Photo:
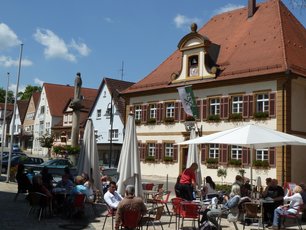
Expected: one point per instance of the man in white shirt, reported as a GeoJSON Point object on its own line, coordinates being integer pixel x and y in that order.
{"type": "Point", "coordinates": [112, 197]}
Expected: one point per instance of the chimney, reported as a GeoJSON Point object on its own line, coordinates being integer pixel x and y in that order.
{"type": "Point", "coordinates": [251, 8]}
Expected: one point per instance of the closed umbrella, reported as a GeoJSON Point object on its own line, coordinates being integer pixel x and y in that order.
{"type": "Point", "coordinates": [193, 157]}
{"type": "Point", "coordinates": [129, 161]}
{"type": "Point", "coordinates": [89, 160]}
{"type": "Point", "coordinates": [251, 136]}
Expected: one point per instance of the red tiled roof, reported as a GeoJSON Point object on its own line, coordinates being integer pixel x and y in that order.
{"type": "Point", "coordinates": [22, 107]}
{"type": "Point", "coordinates": [9, 106]}
{"type": "Point", "coordinates": [59, 95]}
{"type": "Point", "coordinates": [272, 41]}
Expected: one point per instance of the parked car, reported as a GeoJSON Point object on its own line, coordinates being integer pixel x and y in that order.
{"type": "Point", "coordinates": [18, 159]}
{"type": "Point", "coordinates": [57, 163]}
{"type": "Point", "coordinates": [16, 148]}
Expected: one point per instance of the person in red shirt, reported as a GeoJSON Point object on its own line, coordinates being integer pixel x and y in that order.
{"type": "Point", "coordinates": [188, 182]}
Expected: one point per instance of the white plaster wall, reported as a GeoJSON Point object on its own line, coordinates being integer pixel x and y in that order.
{"type": "Point", "coordinates": [162, 132]}
{"type": "Point", "coordinates": [102, 125]}
{"type": "Point", "coordinates": [298, 111]}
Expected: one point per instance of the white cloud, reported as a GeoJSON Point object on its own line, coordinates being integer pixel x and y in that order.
{"type": "Point", "coordinates": [109, 20]}
{"type": "Point", "coordinates": [38, 81]}
{"type": "Point", "coordinates": [13, 87]}
{"type": "Point", "coordinates": [55, 47]}
{"type": "Point", "coordinates": [227, 7]}
{"type": "Point", "coordinates": [182, 21]}
{"type": "Point", "coordinates": [9, 62]}
{"type": "Point", "coordinates": [8, 38]}
{"type": "Point", "coordinates": [82, 48]}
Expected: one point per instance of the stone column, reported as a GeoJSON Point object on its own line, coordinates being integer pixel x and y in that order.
{"type": "Point", "coordinates": [76, 106]}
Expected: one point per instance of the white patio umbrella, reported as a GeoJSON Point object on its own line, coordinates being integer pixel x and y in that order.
{"type": "Point", "coordinates": [193, 157]}
{"type": "Point", "coordinates": [250, 136]}
{"type": "Point", "coordinates": [89, 160]}
{"type": "Point", "coordinates": [129, 161]}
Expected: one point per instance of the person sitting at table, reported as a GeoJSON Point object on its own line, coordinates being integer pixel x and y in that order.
{"type": "Point", "coordinates": [79, 187]}
{"type": "Point", "coordinates": [188, 182]}
{"type": "Point", "coordinates": [47, 178]}
{"type": "Point", "coordinates": [65, 183]}
{"type": "Point", "coordinates": [112, 197]}
{"type": "Point", "coordinates": [209, 188]}
{"type": "Point", "coordinates": [275, 192]}
{"type": "Point", "coordinates": [105, 183]}
{"type": "Point", "coordinates": [291, 208]}
{"type": "Point", "coordinates": [68, 173]}
{"type": "Point", "coordinates": [90, 186]}
{"type": "Point", "coordinates": [231, 205]}
{"type": "Point", "coordinates": [38, 186]}
{"type": "Point", "coordinates": [129, 202]}
{"type": "Point", "coordinates": [24, 184]}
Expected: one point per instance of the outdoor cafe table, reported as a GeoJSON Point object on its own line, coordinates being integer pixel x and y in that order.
{"type": "Point", "coordinates": [261, 203]}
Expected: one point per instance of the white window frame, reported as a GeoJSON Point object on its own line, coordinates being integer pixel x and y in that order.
{"type": "Point", "coordinates": [138, 112]}
{"type": "Point", "coordinates": [236, 152]}
{"type": "Point", "coordinates": [213, 151]}
{"type": "Point", "coordinates": [153, 110]}
{"type": "Point", "coordinates": [151, 149]}
{"type": "Point", "coordinates": [214, 106]}
{"type": "Point", "coordinates": [169, 109]}
{"type": "Point", "coordinates": [262, 102]}
{"type": "Point", "coordinates": [169, 149]}
{"type": "Point", "coordinates": [262, 154]}
{"type": "Point", "coordinates": [237, 103]}
{"type": "Point", "coordinates": [114, 133]}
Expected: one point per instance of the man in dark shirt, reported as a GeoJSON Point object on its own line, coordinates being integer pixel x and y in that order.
{"type": "Point", "coordinates": [277, 193]}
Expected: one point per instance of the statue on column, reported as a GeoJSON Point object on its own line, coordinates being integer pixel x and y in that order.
{"type": "Point", "coordinates": [76, 105]}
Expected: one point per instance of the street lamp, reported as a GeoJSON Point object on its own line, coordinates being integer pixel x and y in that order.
{"type": "Point", "coordinates": [110, 113]}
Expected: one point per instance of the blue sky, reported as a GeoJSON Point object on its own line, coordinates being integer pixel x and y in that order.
{"type": "Point", "coordinates": [94, 37]}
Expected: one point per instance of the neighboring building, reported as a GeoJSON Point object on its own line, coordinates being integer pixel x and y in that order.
{"type": "Point", "coordinates": [245, 66]}
{"type": "Point", "coordinates": [20, 113]}
{"type": "Point", "coordinates": [9, 110]}
{"type": "Point", "coordinates": [62, 130]}
{"type": "Point", "coordinates": [28, 123]}
{"type": "Point", "coordinates": [53, 100]}
{"type": "Point", "coordinates": [108, 94]}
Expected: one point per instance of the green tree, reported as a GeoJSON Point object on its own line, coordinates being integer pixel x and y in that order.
{"type": "Point", "coordinates": [10, 96]}
{"type": "Point", "coordinates": [29, 90]}
{"type": "Point", "coordinates": [46, 141]}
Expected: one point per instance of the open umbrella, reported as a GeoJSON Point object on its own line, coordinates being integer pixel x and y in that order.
{"type": "Point", "coordinates": [193, 157]}
{"type": "Point", "coordinates": [250, 136]}
{"type": "Point", "coordinates": [89, 160]}
{"type": "Point", "coordinates": [129, 161]}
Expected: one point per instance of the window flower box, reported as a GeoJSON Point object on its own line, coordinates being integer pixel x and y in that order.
{"type": "Point", "coordinates": [137, 121]}
{"type": "Point", "coordinates": [214, 118]}
{"type": "Point", "coordinates": [235, 117]}
{"type": "Point", "coordinates": [169, 120]}
{"type": "Point", "coordinates": [235, 163]}
{"type": "Point", "coordinates": [212, 163]}
{"type": "Point", "coordinates": [150, 159]}
{"type": "Point", "coordinates": [151, 121]}
{"type": "Point", "coordinates": [261, 115]}
{"type": "Point", "coordinates": [261, 164]}
{"type": "Point", "coordinates": [168, 159]}
{"type": "Point", "coordinates": [189, 118]}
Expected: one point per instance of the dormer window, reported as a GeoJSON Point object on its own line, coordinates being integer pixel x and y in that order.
{"type": "Point", "coordinates": [193, 65]}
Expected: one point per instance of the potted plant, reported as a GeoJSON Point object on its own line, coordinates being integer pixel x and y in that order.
{"type": "Point", "coordinates": [234, 162]}
{"type": "Point", "coordinates": [150, 159]}
{"type": "Point", "coordinates": [214, 118]}
{"type": "Point", "coordinates": [261, 164]}
{"type": "Point", "coordinates": [212, 163]}
{"type": "Point", "coordinates": [169, 120]}
{"type": "Point", "coordinates": [222, 173]}
{"type": "Point", "coordinates": [151, 121]}
{"type": "Point", "coordinates": [261, 115]}
{"type": "Point", "coordinates": [235, 117]}
{"type": "Point", "coordinates": [168, 159]}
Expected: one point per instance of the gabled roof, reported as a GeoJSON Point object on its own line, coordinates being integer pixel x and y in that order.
{"type": "Point", "coordinates": [59, 95]}
{"type": "Point", "coordinates": [271, 41]}
{"type": "Point", "coordinates": [22, 107]}
{"type": "Point", "coordinates": [9, 106]}
{"type": "Point", "coordinates": [36, 96]}
{"type": "Point", "coordinates": [115, 87]}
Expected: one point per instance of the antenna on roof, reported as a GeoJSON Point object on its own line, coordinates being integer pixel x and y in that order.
{"type": "Point", "coordinates": [122, 70]}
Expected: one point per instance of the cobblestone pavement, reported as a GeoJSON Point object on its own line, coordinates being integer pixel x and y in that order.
{"type": "Point", "coordinates": [14, 215]}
